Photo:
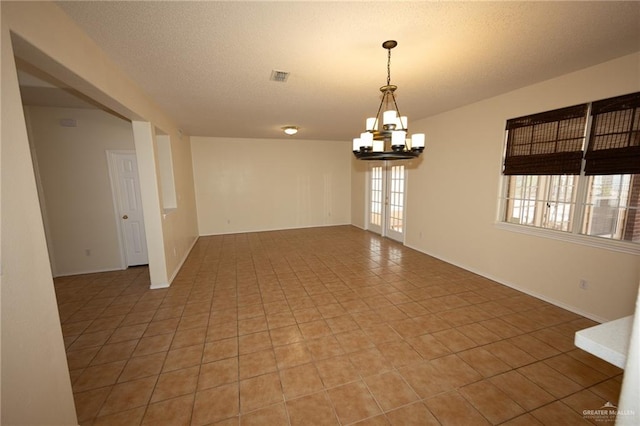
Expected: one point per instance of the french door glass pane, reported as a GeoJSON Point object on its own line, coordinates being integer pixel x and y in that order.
{"type": "Point", "coordinates": [376, 196]}
{"type": "Point", "coordinates": [396, 199]}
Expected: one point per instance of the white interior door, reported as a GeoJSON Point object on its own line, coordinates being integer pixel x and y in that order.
{"type": "Point", "coordinates": [387, 184]}
{"type": "Point", "coordinates": [129, 207]}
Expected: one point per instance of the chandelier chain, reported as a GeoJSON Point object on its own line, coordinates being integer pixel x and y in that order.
{"type": "Point", "coordinates": [386, 94]}
{"type": "Point", "coordinates": [388, 66]}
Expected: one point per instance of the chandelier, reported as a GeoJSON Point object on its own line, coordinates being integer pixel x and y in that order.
{"type": "Point", "coordinates": [388, 141]}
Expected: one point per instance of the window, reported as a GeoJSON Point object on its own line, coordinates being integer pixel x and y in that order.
{"type": "Point", "coordinates": [577, 172]}
{"type": "Point", "coordinates": [543, 201]}
{"type": "Point", "coordinates": [611, 209]}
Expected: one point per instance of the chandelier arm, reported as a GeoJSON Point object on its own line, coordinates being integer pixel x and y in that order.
{"type": "Point", "coordinates": [397, 111]}
{"type": "Point", "coordinates": [377, 118]}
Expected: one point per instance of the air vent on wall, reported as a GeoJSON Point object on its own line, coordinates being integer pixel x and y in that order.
{"type": "Point", "coordinates": [279, 76]}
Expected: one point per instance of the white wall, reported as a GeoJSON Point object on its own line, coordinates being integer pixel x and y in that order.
{"type": "Point", "coordinates": [73, 170]}
{"type": "Point", "coordinates": [452, 201]}
{"type": "Point", "coordinates": [245, 185]}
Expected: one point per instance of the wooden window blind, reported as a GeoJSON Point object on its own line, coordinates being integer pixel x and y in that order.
{"type": "Point", "coordinates": [548, 143]}
{"type": "Point", "coordinates": [614, 141]}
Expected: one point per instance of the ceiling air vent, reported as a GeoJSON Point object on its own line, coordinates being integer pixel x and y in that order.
{"type": "Point", "coordinates": [280, 76]}
{"type": "Point", "coordinates": [68, 122]}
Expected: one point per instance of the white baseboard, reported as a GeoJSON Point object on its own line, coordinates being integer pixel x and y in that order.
{"type": "Point", "coordinates": [275, 229]}
{"type": "Point", "coordinates": [85, 272]}
{"type": "Point", "coordinates": [159, 286]}
{"type": "Point", "coordinates": [555, 302]}
{"type": "Point", "coordinates": [177, 270]}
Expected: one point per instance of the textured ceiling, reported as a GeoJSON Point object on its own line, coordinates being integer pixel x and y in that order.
{"type": "Point", "coordinates": [208, 64]}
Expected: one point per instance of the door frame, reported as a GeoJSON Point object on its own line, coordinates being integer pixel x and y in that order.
{"type": "Point", "coordinates": [113, 180]}
{"type": "Point", "coordinates": [383, 230]}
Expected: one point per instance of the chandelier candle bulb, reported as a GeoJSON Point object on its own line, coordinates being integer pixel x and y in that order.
{"type": "Point", "coordinates": [372, 124]}
{"type": "Point", "coordinates": [402, 122]}
{"type": "Point", "coordinates": [378, 146]}
{"type": "Point", "coordinates": [367, 139]}
{"type": "Point", "coordinates": [398, 138]}
{"type": "Point", "coordinates": [357, 143]}
{"type": "Point", "coordinates": [389, 117]}
{"type": "Point", "coordinates": [417, 141]}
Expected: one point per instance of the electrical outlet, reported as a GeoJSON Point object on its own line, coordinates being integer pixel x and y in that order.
{"type": "Point", "coordinates": [584, 284]}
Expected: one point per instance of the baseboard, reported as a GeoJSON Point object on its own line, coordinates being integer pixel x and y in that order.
{"type": "Point", "coordinates": [275, 229]}
{"type": "Point", "coordinates": [159, 286]}
{"type": "Point", "coordinates": [92, 271]}
{"type": "Point", "coordinates": [555, 302]}
{"type": "Point", "coordinates": [177, 270]}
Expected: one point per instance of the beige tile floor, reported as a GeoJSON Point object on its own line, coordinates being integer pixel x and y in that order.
{"type": "Point", "coordinates": [322, 326]}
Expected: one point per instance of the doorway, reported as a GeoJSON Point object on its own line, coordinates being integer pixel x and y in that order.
{"type": "Point", "coordinates": [386, 200]}
{"type": "Point", "coordinates": [127, 201]}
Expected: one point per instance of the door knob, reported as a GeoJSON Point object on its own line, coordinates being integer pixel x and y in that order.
{"type": "Point", "coordinates": [125, 217]}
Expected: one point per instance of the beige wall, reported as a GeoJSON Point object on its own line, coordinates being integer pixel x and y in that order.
{"type": "Point", "coordinates": [74, 176]}
{"type": "Point", "coordinates": [453, 199]}
{"type": "Point", "coordinates": [270, 184]}
{"type": "Point", "coordinates": [35, 380]}
{"type": "Point", "coordinates": [179, 225]}
{"type": "Point", "coordinates": [358, 192]}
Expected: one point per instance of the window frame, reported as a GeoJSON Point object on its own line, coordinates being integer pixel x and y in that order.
{"type": "Point", "coordinates": [574, 234]}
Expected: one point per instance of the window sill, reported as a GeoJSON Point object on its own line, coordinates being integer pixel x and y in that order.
{"type": "Point", "coordinates": [614, 245]}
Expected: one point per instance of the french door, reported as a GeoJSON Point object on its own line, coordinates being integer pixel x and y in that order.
{"type": "Point", "coordinates": [387, 184]}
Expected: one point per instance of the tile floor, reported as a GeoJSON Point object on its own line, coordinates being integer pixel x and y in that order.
{"type": "Point", "coordinates": [322, 326]}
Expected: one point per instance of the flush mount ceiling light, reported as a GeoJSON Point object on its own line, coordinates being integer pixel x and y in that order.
{"type": "Point", "coordinates": [290, 130]}
{"type": "Point", "coordinates": [389, 141]}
